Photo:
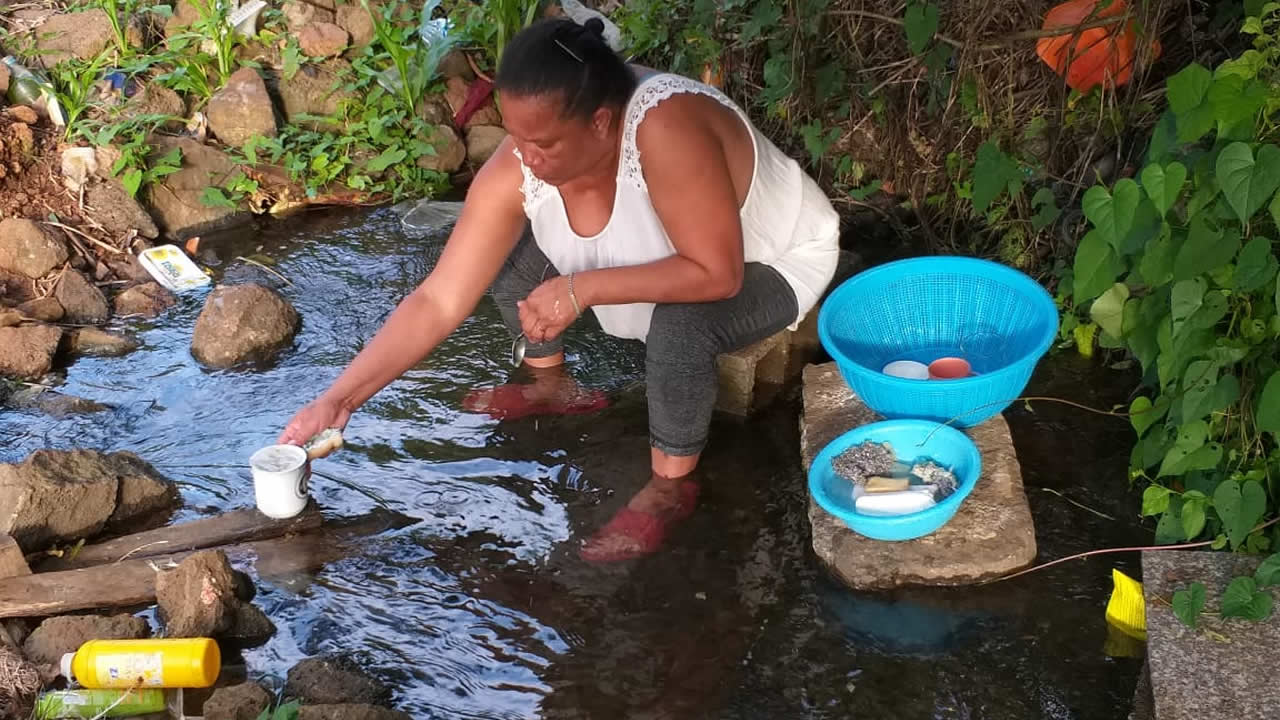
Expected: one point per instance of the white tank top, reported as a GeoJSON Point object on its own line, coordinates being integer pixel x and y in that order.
{"type": "Point", "coordinates": [787, 221]}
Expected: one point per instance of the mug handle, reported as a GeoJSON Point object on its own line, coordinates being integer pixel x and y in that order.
{"type": "Point", "coordinates": [304, 481]}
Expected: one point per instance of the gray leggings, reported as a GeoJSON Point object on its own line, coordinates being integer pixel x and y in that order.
{"type": "Point", "coordinates": [684, 340]}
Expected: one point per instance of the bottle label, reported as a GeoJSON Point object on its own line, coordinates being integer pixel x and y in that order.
{"type": "Point", "coordinates": [133, 669]}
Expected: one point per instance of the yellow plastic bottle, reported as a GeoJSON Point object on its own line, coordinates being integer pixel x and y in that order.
{"type": "Point", "coordinates": [161, 663]}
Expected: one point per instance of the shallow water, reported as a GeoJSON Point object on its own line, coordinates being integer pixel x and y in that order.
{"type": "Point", "coordinates": [481, 609]}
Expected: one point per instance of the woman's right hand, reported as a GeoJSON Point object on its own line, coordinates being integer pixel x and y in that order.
{"type": "Point", "coordinates": [323, 413]}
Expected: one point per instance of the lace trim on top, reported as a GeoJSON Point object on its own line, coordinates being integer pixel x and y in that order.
{"type": "Point", "coordinates": [533, 189]}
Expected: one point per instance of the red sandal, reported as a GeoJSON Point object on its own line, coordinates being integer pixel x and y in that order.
{"type": "Point", "coordinates": [631, 534]}
{"type": "Point", "coordinates": [509, 402]}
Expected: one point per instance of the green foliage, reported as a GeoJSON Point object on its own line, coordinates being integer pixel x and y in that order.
{"type": "Point", "coordinates": [210, 29]}
{"type": "Point", "coordinates": [920, 22]}
{"type": "Point", "coordinates": [73, 81]}
{"type": "Point", "coordinates": [415, 53]}
{"type": "Point", "coordinates": [492, 23]}
{"type": "Point", "coordinates": [118, 14]}
{"type": "Point", "coordinates": [287, 711]}
{"type": "Point", "coordinates": [136, 167]}
{"type": "Point", "coordinates": [1180, 269]}
{"type": "Point", "coordinates": [1188, 603]}
{"type": "Point", "coordinates": [1244, 597]}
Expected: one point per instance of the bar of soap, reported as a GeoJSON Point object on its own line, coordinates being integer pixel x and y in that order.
{"type": "Point", "coordinates": [894, 503]}
{"type": "Point", "coordinates": [877, 484]}
{"type": "Point", "coordinates": [324, 442]}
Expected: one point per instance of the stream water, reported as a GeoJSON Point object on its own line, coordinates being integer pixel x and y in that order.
{"type": "Point", "coordinates": [481, 608]}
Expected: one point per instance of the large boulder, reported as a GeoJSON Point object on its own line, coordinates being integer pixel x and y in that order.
{"type": "Point", "coordinates": [82, 35]}
{"type": "Point", "coordinates": [356, 21]}
{"type": "Point", "coordinates": [198, 598]}
{"type": "Point", "coordinates": [315, 90]}
{"type": "Point", "coordinates": [81, 300]}
{"type": "Point", "coordinates": [156, 99]}
{"type": "Point", "coordinates": [27, 249]}
{"type": "Point", "coordinates": [94, 342]}
{"type": "Point", "coordinates": [323, 40]}
{"type": "Point", "coordinates": [250, 628]}
{"type": "Point", "coordinates": [45, 309]}
{"type": "Point", "coordinates": [26, 352]}
{"type": "Point", "coordinates": [175, 201]}
{"type": "Point", "coordinates": [350, 711]}
{"type": "Point", "coordinates": [63, 495]}
{"type": "Point", "coordinates": [299, 13]}
{"type": "Point", "coordinates": [146, 300]}
{"type": "Point", "coordinates": [241, 323]}
{"type": "Point", "coordinates": [483, 141]}
{"type": "Point", "coordinates": [245, 701]}
{"type": "Point", "coordinates": [242, 109]}
{"type": "Point", "coordinates": [59, 635]}
{"type": "Point", "coordinates": [117, 211]}
{"type": "Point", "coordinates": [184, 16]}
{"type": "Point", "coordinates": [450, 151]}
{"type": "Point", "coordinates": [332, 680]}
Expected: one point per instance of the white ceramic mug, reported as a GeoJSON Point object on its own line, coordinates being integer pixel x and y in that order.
{"type": "Point", "coordinates": [280, 476]}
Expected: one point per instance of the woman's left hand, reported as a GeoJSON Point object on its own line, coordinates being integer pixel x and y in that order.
{"type": "Point", "coordinates": [548, 311]}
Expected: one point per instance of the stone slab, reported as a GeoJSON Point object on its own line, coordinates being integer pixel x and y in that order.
{"type": "Point", "coordinates": [741, 372]}
{"type": "Point", "coordinates": [991, 534]}
{"type": "Point", "coordinates": [1195, 674]}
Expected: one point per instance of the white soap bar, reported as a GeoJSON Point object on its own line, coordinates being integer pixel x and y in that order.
{"type": "Point", "coordinates": [894, 503]}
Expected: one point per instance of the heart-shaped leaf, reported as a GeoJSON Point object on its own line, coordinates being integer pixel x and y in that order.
{"type": "Point", "coordinates": [1096, 266]}
{"type": "Point", "coordinates": [1187, 298]}
{"type": "Point", "coordinates": [1268, 414]}
{"type": "Point", "coordinates": [1193, 518]}
{"type": "Point", "coordinates": [1155, 500]}
{"type": "Point", "coordinates": [1242, 599]}
{"type": "Point", "coordinates": [1256, 265]}
{"type": "Point", "coordinates": [1188, 603]}
{"type": "Point", "coordinates": [1143, 413]}
{"type": "Point", "coordinates": [1248, 183]}
{"type": "Point", "coordinates": [1236, 102]}
{"type": "Point", "coordinates": [1198, 386]}
{"type": "Point", "coordinates": [920, 22]}
{"type": "Point", "coordinates": [1113, 212]}
{"type": "Point", "coordinates": [1188, 87]}
{"type": "Point", "coordinates": [1164, 184]}
{"type": "Point", "coordinates": [1268, 573]}
{"type": "Point", "coordinates": [1108, 310]}
{"type": "Point", "coordinates": [1183, 455]}
{"type": "Point", "coordinates": [1240, 506]}
{"type": "Point", "coordinates": [1206, 248]}
{"type": "Point", "coordinates": [1212, 309]}
{"type": "Point", "coordinates": [1156, 266]}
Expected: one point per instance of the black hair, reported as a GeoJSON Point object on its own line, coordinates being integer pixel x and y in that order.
{"type": "Point", "coordinates": [557, 56]}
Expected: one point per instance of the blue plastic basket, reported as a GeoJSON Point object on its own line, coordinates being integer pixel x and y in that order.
{"type": "Point", "coordinates": [912, 441]}
{"type": "Point", "coordinates": [921, 309]}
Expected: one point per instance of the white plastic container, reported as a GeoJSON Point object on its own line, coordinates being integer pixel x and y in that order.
{"type": "Point", "coordinates": [172, 268]}
{"type": "Point", "coordinates": [280, 475]}
{"type": "Point", "coordinates": [908, 369]}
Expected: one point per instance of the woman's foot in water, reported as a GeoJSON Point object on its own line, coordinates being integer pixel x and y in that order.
{"type": "Point", "coordinates": [642, 526]}
{"type": "Point", "coordinates": [552, 392]}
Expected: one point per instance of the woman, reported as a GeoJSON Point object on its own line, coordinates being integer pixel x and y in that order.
{"type": "Point", "coordinates": [646, 198]}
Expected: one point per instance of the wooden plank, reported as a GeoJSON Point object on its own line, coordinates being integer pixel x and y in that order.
{"type": "Point", "coordinates": [236, 526]}
{"type": "Point", "coordinates": [12, 562]}
{"type": "Point", "coordinates": [132, 582]}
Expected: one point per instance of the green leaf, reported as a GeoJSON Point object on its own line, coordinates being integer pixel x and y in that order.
{"type": "Point", "coordinates": [214, 197]}
{"type": "Point", "coordinates": [1236, 102]}
{"type": "Point", "coordinates": [1219, 542]}
{"type": "Point", "coordinates": [1193, 518]}
{"type": "Point", "coordinates": [1198, 385]}
{"type": "Point", "coordinates": [1155, 500]}
{"type": "Point", "coordinates": [1268, 414]}
{"type": "Point", "coordinates": [1164, 184]}
{"type": "Point", "coordinates": [1169, 528]}
{"type": "Point", "coordinates": [921, 23]}
{"type": "Point", "coordinates": [764, 19]}
{"type": "Point", "coordinates": [1156, 266]}
{"type": "Point", "coordinates": [1189, 451]}
{"type": "Point", "coordinates": [1247, 183]}
{"type": "Point", "coordinates": [1226, 393]}
{"type": "Point", "coordinates": [1239, 506]}
{"type": "Point", "coordinates": [1096, 267]}
{"type": "Point", "coordinates": [1046, 209]}
{"type": "Point", "coordinates": [1188, 296]}
{"type": "Point", "coordinates": [132, 180]}
{"type": "Point", "coordinates": [1268, 573]}
{"type": "Point", "coordinates": [1108, 310]}
{"type": "Point", "coordinates": [1242, 599]}
{"type": "Point", "coordinates": [1187, 89]}
{"type": "Point", "coordinates": [1143, 413]}
{"type": "Point", "coordinates": [386, 159]}
{"type": "Point", "coordinates": [1256, 265]}
{"type": "Point", "coordinates": [1113, 213]}
{"type": "Point", "coordinates": [1207, 317]}
{"type": "Point", "coordinates": [1206, 248]}
{"type": "Point", "coordinates": [1274, 208]}
{"type": "Point", "coordinates": [993, 170]}
{"type": "Point", "coordinates": [1187, 604]}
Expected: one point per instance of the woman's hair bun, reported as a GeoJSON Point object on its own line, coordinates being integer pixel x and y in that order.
{"type": "Point", "coordinates": [596, 26]}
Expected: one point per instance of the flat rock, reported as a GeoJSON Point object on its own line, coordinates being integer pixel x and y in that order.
{"type": "Point", "coordinates": [82, 35]}
{"type": "Point", "coordinates": [81, 300]}
{"type": "Point", "coordinates": [323, 39]}
{"type": "Point", "coordinates": [242, 109]}
{"type": "Point", "coordinates": [483, 142]}
{"type": "Point", "coordinates": [238, 702]}
{"type": "Point", "coordinates": [991, 534]}
{"type": "Point", "coordinates": [58, 635]}
{"type": "Point", "coordinates": [450, 151]}
{"type": "Point", "coordinates": [334, 680]}
{"type": "Point", "coordinates": [1183, 660]}
{"type": "Point", "coordinates": [45, 309]}
{"type": "Point", "coordinates": [241, 323]}
{"type": "Point", "coordinates": [316, 89]}
{"type": "Point", "coordinates": [350, 712]}
{"type": "Point", "coordinates": [27, 249]}
{"type": "Point", "coordinates": [356, 21]}
{"type": "Point", "coordinates": [95, 342]}
{"type": "Point", "coordinates": [53, 403]}
{"type": "Point", "coordinates": [23, 114]}
{"type": "Point", "coordinates": [26, 352]}
{"type": "Point", "coordinates": [147, 300]}
{"type": "Point", "coordinates": [197, 598]}
{"type": "Point", "coordinates": [175, 201]}
{"type": "Point", "coordinates": [117, 211]}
